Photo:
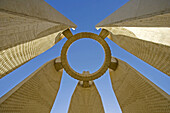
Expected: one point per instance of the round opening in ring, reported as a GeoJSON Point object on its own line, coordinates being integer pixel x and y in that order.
{"type": "Point", "coordinates": [85, 55]}
{"type": "Point", "coordinates": [94, 75]}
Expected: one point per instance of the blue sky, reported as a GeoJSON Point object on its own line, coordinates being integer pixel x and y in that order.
{"type": "Point", "coordinates": [85, 54]}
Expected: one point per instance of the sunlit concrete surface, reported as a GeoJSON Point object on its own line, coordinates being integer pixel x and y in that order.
{"type": "Point", "coordinates": [142, 27]}
{"type": "Point", "coordinates": [160, 35]}
{"type": "Point", "coordinates": [151, 45]}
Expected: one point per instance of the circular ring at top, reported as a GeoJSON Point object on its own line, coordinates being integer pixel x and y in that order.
{"type": "Point", "coordinates": [94, 75]}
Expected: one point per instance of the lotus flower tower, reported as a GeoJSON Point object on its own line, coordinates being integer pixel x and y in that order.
{"type": "Point", "coordinates": [141, 27]}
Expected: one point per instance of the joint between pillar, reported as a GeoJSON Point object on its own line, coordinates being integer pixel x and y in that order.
{"type": "Point", "coordinates": [113, 63]}
{"type": "Point", "coordinates": [58, 64]}
{"type": "Point", "coordinates": [67, 33]}
{"type": "Point", "coordinates": [104, 33]}
{"type": "Point", "coordinates": [86, 84]}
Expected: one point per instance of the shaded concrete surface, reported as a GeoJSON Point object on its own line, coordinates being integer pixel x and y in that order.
{"type": "Point", "coordinates": [140, 13]}
{"type": "Point", "coordinates": [35, 94]}
{"type": "Point", "coordinates": [27, 29]}
{"type": "Point", "coordinates": [135, 93]}
{"type": "Point", "coordinates": [86, 100]}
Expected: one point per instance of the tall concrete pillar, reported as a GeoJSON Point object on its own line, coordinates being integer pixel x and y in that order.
{"type": "Point", "coordinates": [135, 93]}
{"type": "Point", "coordinates": [151, 45]}
{"type": "Point", "coordinates": [86, 99]}
{"type": "Point", "coordinates": [27, 29]}
{"type": "Point", "coordinates": [142, 27]}
{"type": "Point", "coordinates": [140, 13]}
{"type": "Point", "coordinates": [35, 94]}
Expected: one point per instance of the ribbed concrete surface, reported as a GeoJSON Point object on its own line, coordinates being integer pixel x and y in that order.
{"type": "Point", "coordinates": [38, 9]}
{"type": "Point", "coordinates": [35, 94]}
{"type": "Point", "coordinates": [22, 39]}
{"type": "Point", "coordinates": [135, 93]}
{"type": "Point", "coordinates": [140, 13]}
{"type": "Point", "coordinates": [86, 100]}
{"type": "Point", "coordinates": [155, 54]}
{"type": "Point", "coordinates": [27, 29]}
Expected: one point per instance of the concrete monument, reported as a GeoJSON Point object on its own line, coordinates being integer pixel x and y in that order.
{"type": "Point", "coordinates": [141, 27]}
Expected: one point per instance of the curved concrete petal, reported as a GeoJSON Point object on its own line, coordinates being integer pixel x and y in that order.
{"type": "Point", "coordinates": [86, 100]}
{"type": "Point", "coordinates": [151, 45]}
{"type": "Point", "coordinates": [140, 13]}
{"type": "Point", "coordinates": [27, 29]}
{"type": "Point", "coordinates": [135, 93]}
{"type": "Point", "coordinates": [35, 94]}
{"type": "Point", "coordinates": [159, 35]}
{"type": "Point", "coordinates": [37, 9]}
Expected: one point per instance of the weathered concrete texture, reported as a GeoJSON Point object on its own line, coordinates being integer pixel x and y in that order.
{"type": "Point", "coordinates": [150, 45]}
{"type": "Point", "coordinates": [35, 94]}
{"type": "Point", "coordinates": [135, 93]}
{"type": "Point", "coordinates": [38, 9]}
{"type": "Point", "coordinates": [27, 29]}
{"type": "Point", "coordinates": [86, 100]}
{"type": "Point", "coordinates": [140, 13]}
